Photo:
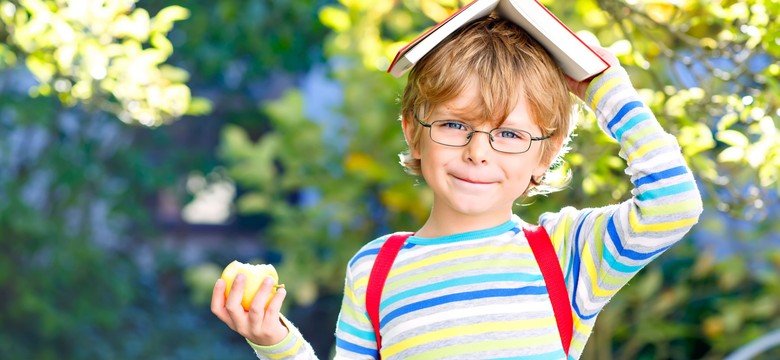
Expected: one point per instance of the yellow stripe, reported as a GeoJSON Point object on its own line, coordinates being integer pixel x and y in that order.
{"type": "Point", "coordinates": [559, 235]}
{"type": "Point", "coordinates": [464, 330]}
{"type": "Point", "coordinates": [349, 294]}
{"type": "Point", "coordinates": [603, 90]}
{"type": "Point", "coordinates": [636, 226]}
{"type": "Point", "coordinates": [590, 268]}
{"type": "Point", "coordinates": [646, 148]}
{"type": "Point", "coordinates": [350, 312]}
{"type": "Point", "coordinates": [290, 352]}
{"type": "Point", "coordinates": [580, 328]}
{"type": "Point", "coordinates": [669, 209]}
{"type": "Point", "coordinates": [629, 141]}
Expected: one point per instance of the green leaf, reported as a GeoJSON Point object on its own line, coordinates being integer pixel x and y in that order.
{"type": "Point", "coordinates": [200, 106]}
{"type": "Point", "coordinates": [732, 137]}
{"type": "Point", "coordinates": [254, 203]}
{"type": "Point", "coordinates": [695, 139]}
{"type": "Point", "coordinates": [163, 21]}
{"type": "Point", "coordinates": [235, 143]}
{"type": "Point", "coordinates": [335, 18]}
{"type": "Point", "coordinates": [286, 111]}
{"type": "Point", "coordinates": [732, 154]}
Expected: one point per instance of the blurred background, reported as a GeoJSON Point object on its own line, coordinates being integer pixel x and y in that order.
{"type": "Point", "coordinates": [144, 144]}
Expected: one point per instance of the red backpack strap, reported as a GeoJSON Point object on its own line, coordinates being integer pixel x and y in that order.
{"type": "Point", "coordinates": [541, 245]}
{"type": "Point", "coordinates": [376, 281]}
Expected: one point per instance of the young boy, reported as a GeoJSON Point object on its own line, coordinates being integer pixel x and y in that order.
{"type": "Point", "coordinates": [485, 115]}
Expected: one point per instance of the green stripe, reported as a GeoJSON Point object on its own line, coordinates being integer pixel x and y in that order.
{"type": "Point", "coordinates": [670, 209]}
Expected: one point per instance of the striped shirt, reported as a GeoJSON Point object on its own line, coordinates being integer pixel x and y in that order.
{"type": "Point", "coordinates": [481, 294]}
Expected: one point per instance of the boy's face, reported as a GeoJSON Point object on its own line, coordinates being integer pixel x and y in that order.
{"type": "Point", "coordinates": [475, 182]}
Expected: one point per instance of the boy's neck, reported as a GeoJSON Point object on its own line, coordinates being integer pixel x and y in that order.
{"type": "Point", "coordinates": [439, 225]}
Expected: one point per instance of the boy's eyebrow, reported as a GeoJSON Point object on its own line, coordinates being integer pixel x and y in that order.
{"type": "Point", "coordinates": [465, 114]}
{"type": "Point", "coordinates": [451, 115]}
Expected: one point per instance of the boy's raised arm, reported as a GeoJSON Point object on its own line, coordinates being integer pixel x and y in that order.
{"type": "Point", "coordinates": [602, 248]}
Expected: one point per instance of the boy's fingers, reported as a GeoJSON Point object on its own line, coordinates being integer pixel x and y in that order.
{"type": "Point", "coordinates": [218, 302]}
{"type": "Point", "coordinates": [257, 308]}
{"type": "Point", "coordinates": [233, 304]}
{"type": "Point", "coordinates": [217, 296]}
{"type": "Point", "coordinates": [271, 330]}
{"type": "Point", "coordinates": [607, 55]}
{"type": "Point", "coordinates": [275, 306]}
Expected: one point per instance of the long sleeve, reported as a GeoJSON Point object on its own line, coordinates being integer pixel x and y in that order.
{"type": "Point", "coordinates": [601, 249]}
{"type": "Point", "coordinates": [292, 347]}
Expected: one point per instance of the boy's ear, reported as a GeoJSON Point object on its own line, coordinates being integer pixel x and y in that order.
{"type": "Point", "coordinates": [408, 128]}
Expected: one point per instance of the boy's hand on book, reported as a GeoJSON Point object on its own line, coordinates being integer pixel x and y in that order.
{"type": "Point", "coordinates": [579, 87]}
{"type": "Point", "coordinates": [260, 324]}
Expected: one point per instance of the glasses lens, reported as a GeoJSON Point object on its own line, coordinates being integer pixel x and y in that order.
{"type": "Point", "coordinates": [449, 132]}
{"type": "Point", "coordinates": [511, 140]}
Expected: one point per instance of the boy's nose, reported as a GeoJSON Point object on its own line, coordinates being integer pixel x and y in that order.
{"type": "Point", "coordinates": [478, 147]}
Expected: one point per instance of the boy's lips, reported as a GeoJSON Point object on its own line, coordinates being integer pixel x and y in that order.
{"type": "Point", "coordinates": [472, 181]}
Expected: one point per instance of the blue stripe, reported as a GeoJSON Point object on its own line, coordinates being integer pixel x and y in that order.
{"type": "Point", "coordinates": [471, 295]}
{"type": "Point", "coordinates": [476, 279]}
{"type": "Point", "coordinates": [658, 176]}
{"type": "Point", "coordinates": [618, 266]}
{"type": "Point", "coordinates": [638, 118]}
{"type": "Point", "coordinates": [348, 346]}
{"type": "Point", "coordinates": [623, 252]}
{"type": "Point", "coordinates": [374, 252]}
{"type": "Point", "coordinates": [666, 191]}
{"type": "Point", "coordinates": [362, 254]}
{"type": "Point", "coordinates": [571, 265]}
{"type": "Point", "coordinates": [471, 235]}
{"type": "Point", "coordinates": [358, 333]}
{"type": "Point", "coordinates": [623, 111]}
{"type": "Point", "coordinates": [553, 355]}
{"type": "Point", "coordinates": [577, 261]}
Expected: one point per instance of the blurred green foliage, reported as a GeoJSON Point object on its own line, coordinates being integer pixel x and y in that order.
{"type": "Point", "coordinates": [109, 56]}
{"type": "Point", "coordinates": [85, 273]}
{"type": "Point", "coordinates": [84, 90]}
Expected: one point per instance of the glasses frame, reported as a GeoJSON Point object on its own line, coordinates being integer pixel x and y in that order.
{"type": "Point", "coordinates": [469, 136]}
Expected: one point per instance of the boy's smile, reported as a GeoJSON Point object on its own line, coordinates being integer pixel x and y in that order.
{"type": "Point", "coordinates": [474, 185]}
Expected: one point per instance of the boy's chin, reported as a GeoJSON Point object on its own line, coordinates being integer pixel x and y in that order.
{"type": "Point", "coordinates": [479, 209]}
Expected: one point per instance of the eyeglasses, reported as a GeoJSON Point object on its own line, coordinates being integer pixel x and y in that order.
{"type": "Point", "coordinates": [457, 133]}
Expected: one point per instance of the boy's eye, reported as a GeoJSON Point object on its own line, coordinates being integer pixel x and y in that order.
{"type": "Point", "coordinates": [511, 134]}
{"type": "Point", "coordinates": [452, 125]}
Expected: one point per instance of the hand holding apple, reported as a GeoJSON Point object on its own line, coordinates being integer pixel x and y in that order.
{"type": "Point", "coordinates": [248, 299]}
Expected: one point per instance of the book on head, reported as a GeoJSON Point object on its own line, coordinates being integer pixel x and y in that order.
{"type": "Point", "coordinates": [575, 57]}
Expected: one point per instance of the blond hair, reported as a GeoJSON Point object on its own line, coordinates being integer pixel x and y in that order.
{"type": "Point", "coordinates": [506, 63]}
